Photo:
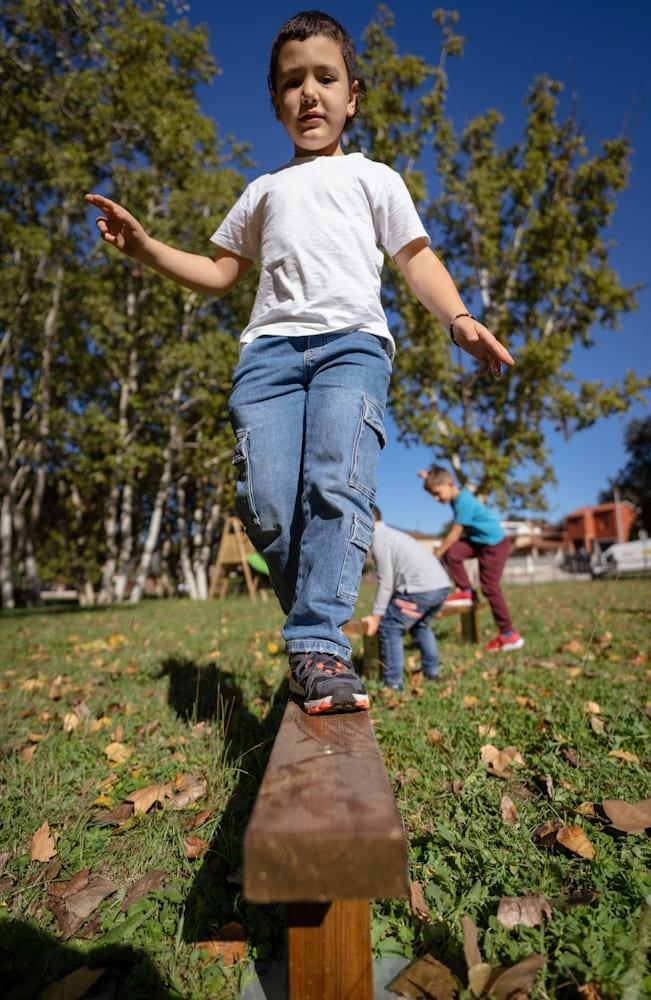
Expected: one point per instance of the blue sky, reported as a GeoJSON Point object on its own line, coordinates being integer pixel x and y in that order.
{"type": "Point", "coordinates": [599, 50]}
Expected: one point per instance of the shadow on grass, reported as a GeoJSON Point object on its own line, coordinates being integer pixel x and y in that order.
{"type": "Point", "coordinates": [208, 694]}
{"type": "Point", "coordinates": [31, 958]}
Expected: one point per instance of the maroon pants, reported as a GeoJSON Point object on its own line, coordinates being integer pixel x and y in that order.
{"type": "Point", "coordinates": [491, 565]}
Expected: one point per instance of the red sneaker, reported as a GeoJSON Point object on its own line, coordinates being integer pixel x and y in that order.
{"type": "Point", "coordinates": [505, 643]}
{"type": "Point", "coordinates": [460, 599]}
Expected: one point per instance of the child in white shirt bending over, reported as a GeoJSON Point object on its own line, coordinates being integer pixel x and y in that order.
{"type": "Point", "coordinates": [310, 387]}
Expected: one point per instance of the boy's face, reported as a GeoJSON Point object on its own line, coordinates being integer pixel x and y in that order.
{"type": "Point", "coordinates": [313, 98]}
{"type": "Point", "coordinates": [444, 492]}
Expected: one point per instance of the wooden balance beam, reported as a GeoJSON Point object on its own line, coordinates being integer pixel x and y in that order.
{"type": "Point", "coordinates": [325, 837]}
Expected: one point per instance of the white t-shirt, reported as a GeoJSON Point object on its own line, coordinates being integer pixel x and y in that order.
{"type": "Point", "coordinates": [319, 226]}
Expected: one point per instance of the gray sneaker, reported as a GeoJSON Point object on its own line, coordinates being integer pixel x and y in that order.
{"type": "Point", "coordinates": [326, 684]}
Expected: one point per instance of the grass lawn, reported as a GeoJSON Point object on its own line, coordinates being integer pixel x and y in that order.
{"type": "Point", "coordinates": [96, 705]}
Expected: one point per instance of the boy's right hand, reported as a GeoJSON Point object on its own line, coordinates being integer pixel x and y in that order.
{"type": "Point", "coordinates": [118, 227]}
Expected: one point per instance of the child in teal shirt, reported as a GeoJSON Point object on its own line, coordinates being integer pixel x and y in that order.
{"type": "Point", "coordinates": [477, 533]}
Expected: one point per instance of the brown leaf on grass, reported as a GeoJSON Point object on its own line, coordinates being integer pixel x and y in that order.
{"type": "Point", "coordinates": [229, 943]}
{"type": "Point", "coordinates": [149, 728]}
{"type": "Point", "coordinates": [592, 708]}
{"type": "Point", "coordinates": [486, 730]}
{"type": "Point", "coordinates": [70, 722]}
{"type": "Point", "coordinates": [4, 857]}
{"type": "Point", "coordinates": [118, 733]}
{"type": "Point", "coordinates": [199, 819]}
{"type": "Point", "coordinates": [470, 700]}
{"type": "Point", "coordinates": [587, 809]}
{"type": "Point", "coordinates": [499, 762]}
{"type": "Point", "coordinates": [195, 847]}
{"type": "Point", "coordinates": [545, 834]}
{"type": "Point", "coordinates": [546, 784]}
{"type": "Point", "coordinates": [73, 986]}
{"type": "Point", "coordinates": [574, 839]}
{"type": "Point", "coordinates": [470, 942]}
{"type": "Point", "coordinates": [36, 737]}
{"type": "Point", "coordinates": [569, 900]}
{"type": "Point", "coordinates": [597, 725]}
{"type": "Point", "coordinates": [573, 646]}
{"type": "Point", "coordinates": [478, 978]}
{"type": "Point", "coordinates": [625, 756]}
{"type": "Point", "coordinates": [521, 792]}
{"type": "Point", "coordinates": [417, 900]}
{"type": "Point", "coordinates": [508, 811]}
{"type": "Point", "coordinates": [117, 817]}
{"type": "Point", "coordinates": [435, 738]}
{"type": "Point", "coordinates": [43, 847]}
{"type": "Point", "coordinates": [518, 979]}
{"type": "Point", "coordinates": [425, 977]}
{"type": "Point", "coordinates": [590, 991]}
{"type": "Point", "coordinates": [571, 757]}
{"type": "Point", "coordinates": [144, 798]}
{"type": "Point", "coordinates": [117, 752]}
{"type": "Point", "coordinates": [83, 903]}
{"type": "Point", "coordinates": [527, 910]}
{"type": "Point", "coordinates": [61, 890]}
{"type": "Point", "coordinates": [629, 817]}
{"type": "Point", "coordinates": [142, 886]}
{"type": "Point", "coordinates": [187, 790]}
{"type": "Point", "coordinates": [27, 753]}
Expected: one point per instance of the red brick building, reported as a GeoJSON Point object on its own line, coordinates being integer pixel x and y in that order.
{"type": "Point", "coordinates": [587, 525]}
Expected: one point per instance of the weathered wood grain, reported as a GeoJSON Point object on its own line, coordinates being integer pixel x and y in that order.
{"type": "Point", "coordinates": [325, 824]}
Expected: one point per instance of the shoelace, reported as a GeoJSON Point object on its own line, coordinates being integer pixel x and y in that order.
{"type": "Point", "coordinates": [323, 663]}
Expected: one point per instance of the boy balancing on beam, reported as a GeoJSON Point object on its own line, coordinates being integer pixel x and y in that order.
{"type": "Point", "coordinates": [310, 387]}
{"type": "Point", "coordinates": [476, 532]}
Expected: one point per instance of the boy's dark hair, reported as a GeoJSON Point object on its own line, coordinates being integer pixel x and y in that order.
{"type": "Point", "coordinates": [377, 514]}
{"type": "Point", "coordinates": [306, 24]}
{"type": "Point", "coordinates": [437, 475]}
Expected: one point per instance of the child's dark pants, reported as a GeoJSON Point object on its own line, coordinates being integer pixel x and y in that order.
{"type": "Point", "coordinates": [491, 560]}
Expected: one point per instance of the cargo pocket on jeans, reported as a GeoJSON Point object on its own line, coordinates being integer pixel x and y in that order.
{"type": "Point", "coordinates": [370, 439]}
{"type": "Point", "coordinates": [244, 503]}
{"type": "Point", "coordinates": [361, 536]}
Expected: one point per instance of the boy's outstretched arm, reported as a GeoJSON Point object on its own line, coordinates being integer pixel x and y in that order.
{"type": "Point", "coordinates": [201, 274]}
{"type": "Point", "coordinates": [432, 285]}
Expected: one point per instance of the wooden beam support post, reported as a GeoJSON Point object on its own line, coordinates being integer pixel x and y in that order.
{"type": "Point", "coordinates": [329, 950]}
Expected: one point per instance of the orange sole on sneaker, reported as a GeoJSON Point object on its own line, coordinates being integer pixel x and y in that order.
{"type": "Point", "coordinates": [325, 705]}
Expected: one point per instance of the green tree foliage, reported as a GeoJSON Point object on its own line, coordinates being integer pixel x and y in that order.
{"type": "Point", "coordinates": [634, 478]}
{"type": "Point", "coordinates": [523, 230]}
{"type": "Point", "coordinates": [113, 382]}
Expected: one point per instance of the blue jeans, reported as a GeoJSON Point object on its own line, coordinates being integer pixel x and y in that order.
{"type": "Point", "coordinates": [308, 415]}
{"type": "Point", "coordinates": [409, 613]}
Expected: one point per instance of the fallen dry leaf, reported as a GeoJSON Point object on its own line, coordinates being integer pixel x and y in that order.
{"type": "Point", "coordinates": [508, 811]}
{"type": "Point", "coordinates": [418, 904]}
{"type": "Point", "coordinates": [597, 725]}
{"type": "Point", "coordinates": [518, 979]}
{"type": "Point", "coordinates": [545, 834]}
{"type": "Point", "coordinates": [118, 817]}
{"type": "Point", "coordinates": [229, 944]}
{"type": "Point", "coordinates": [199, 819]}
{"type": "Point", "coordinates": [27, 753]}
{"type": "Point", "coordinates": [625, 755]}
{"type": "Point", "coordinates": [470, 700]}
{"type": "Point", "coordinates": [435, 737]}
{"type": "Point", "coordinates": [73, 986]}
{"type": "Point", "coordinates": [144, 798]}
{"type": "Point", "coordinates": [71, 886]}
{"type": "Point", "coordinates": [590, 991]}
{"type": "Point", "coordinates": [43, 847]}
{"type": "Point", "coordinates": [470, 941]}
{"type": "Point", "coordinates": [499, 762]}
{"type": "Point", "coordinates": [527, 910]}
{"type": "Point", "coordinates": [142, 886]}
{"type": "Point", "coordinates": [195, 847]}
{"type": "Point", "coordinates": [587, 809]}
{"type": "Point", "coordinates": [592, 708]}
{"type": "Point", "coordinates": [629, 817]}
{"type": "Point", "coordinates": [574, 839]}
{"type": "Point", "coordinates": [187, 790]}
{"type": "Point", "coordinates": [571, 757]}
{"type": "Point", "coordinates": [70, 722]}
{"type": "Point", "coordinates": [479, 977]}
{"type": "Point", "coordinates": [83, 903]}
{"type": "Point", "coordinates": [425, 977]}
{"type": "Point", "coordinates": [117, 753]}
{"type": "Point", "coordinates": [486, 730]}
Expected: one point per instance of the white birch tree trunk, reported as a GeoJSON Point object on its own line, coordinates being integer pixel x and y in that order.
{"type": "Point", "coordinates": [184, 549]}
{"type": "Point", "coordinates": [6, 580]}
{"type": "Point", "coordinates": [153, 531]}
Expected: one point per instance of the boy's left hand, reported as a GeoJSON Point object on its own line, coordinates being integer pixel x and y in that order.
{"type": "Point", "coordinates": [371, 624]}
{"type": "Point", "coordinates": [477, 340]}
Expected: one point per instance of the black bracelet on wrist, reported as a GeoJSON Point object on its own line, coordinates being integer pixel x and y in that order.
{"type": "Point", "coordinates": [451, 326]}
